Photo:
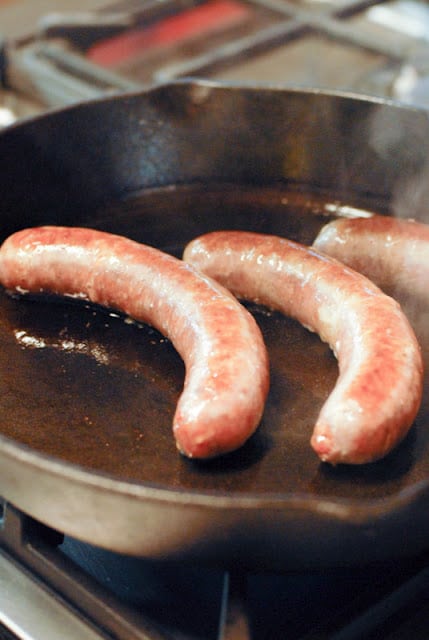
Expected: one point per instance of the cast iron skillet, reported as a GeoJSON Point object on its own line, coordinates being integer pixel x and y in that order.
{"type": "Point", "coordinates": [86, 399]}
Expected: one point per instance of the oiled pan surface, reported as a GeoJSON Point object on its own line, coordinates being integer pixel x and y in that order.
{"type": "Point", "coordinates": [91, 397]}
{"type": "Point", "coordinates": [89, 388]}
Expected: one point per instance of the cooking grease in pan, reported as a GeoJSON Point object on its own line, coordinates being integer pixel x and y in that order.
{"type": "Point", "coordinates": [87, 387]}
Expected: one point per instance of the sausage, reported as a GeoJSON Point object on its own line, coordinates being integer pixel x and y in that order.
{"type": "Point", "coordinates": [392, 252]}
{"type": "Point", "coordinates": [226, 364]}
{"type": "Point", "coordinates": [379, 387]}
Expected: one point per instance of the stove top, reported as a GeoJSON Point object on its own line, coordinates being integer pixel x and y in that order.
{"type": "Point", "coordinates": [53, 586]}
{"type": "Point", "coordinates": [54, 55]}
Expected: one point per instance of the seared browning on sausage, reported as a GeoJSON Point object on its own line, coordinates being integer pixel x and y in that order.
{"type": "Point", "coordinates": [394, 253]}
{"type": "Point", "coordinates": [226, 379]}
{"type": "Point", "coordinates": [379, 388]}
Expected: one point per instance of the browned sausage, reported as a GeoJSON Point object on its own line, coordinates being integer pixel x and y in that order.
{"type": "Point", "coordinates": [226, 379]}
{"type": "Point", "coordinates": [379, 387]}
{"type": "Point", "coordinates": [392, 252]}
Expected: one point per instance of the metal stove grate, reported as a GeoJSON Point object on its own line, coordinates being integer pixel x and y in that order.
{"type": "Point", "coordinates": [378, 48]}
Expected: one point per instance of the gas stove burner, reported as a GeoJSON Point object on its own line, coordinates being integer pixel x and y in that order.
{"type": "Point", "coordinates": [377, 48]}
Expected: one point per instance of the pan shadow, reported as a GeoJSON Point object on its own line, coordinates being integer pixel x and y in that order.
{"type": "Point", "coordinates": [372, 480]}
{"type": "Point", "coordinates": [252, 452]}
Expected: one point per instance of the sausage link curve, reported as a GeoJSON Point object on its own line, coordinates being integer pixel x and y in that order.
{"type": "Point", "coordinates": [227, 373]}
{"type": "Point", "coordinates": [392, 252]}
{"type": "Point", "coordinates": [379, 388]}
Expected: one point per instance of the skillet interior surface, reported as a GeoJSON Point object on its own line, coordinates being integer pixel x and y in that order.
{"type": "Point", "coordinates": [89, 398]}
{"type": "Point", "coordinates": [87, 387]}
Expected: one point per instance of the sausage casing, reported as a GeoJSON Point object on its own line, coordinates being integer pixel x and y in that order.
{"type": "Point", "coordinates": [226, 380]}
{"type": "Point", "coordinates": [379, 388]}
{"type": "Point", "coordinates": [392, 252]}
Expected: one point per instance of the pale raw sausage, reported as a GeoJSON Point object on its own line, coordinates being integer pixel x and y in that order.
{"type": "Point", "coordinates": [392, 252]}
{"type": "Point", "coordinates": [227, 373]}
{"type": "Point", "coordinates": [379, 388]}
